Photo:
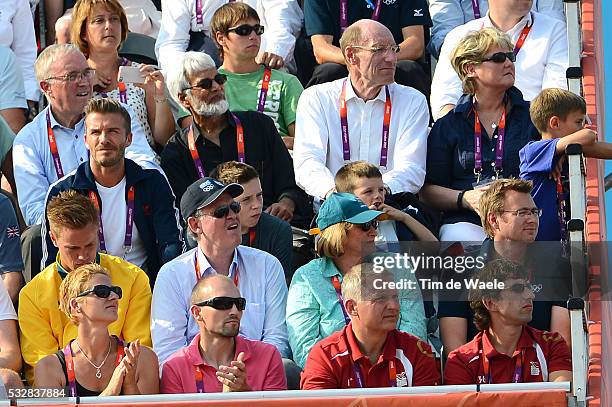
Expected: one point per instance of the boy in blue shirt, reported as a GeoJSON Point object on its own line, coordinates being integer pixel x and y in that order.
{"type": "Point", "coordinates": [559, 116]}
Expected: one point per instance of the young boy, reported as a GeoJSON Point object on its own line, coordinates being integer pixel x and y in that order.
{"type": "Point", "coordinates": [559, 116]}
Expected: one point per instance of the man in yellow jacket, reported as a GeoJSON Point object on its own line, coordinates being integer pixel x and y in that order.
{"type": "Point", "coordinates": [74, 228]}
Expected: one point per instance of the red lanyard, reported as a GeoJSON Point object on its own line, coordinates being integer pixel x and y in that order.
{"type": "Point", "coordinates": [499, 145]}
{"type": "Point", "coordinates": [53, 146]}
{"type": "Point", "coordinates": [70, 364]}
{"type": "Point", "coordinates": [523, 36]}
{"type": "Point", "coordinates": [252, 234]}
{"type": "Point", "coordinates": [199, 274]}
{"type": "Point", "coordinates": [476, 8]}
{"type": "Point", "coordinates": [346, 148]}
{"type": "Point", "coordinates": [336, 283]}
{"type": "Point", "coordinates": [195, 156]}
{"type": "Point", "coordinates": [129, 220]}
{"type": "Point", "coordinates": [344, 13]}
{"type": "Point", "coordinates": [122, 92]}
{"type": "Point", "coordinates": [199, 379]}
{"type": "Point", "coordinates": [263, 93]}
{"type": "Point", "coordinates": [392, 374]}
{"type": "Point", "coordinates": [518, 368]}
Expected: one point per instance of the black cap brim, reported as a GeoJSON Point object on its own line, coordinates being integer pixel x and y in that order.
{"type": "Point", "coordinates": [233, 189]}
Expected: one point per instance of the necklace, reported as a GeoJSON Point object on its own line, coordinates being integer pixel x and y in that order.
{"type": "Point", "coordinates": [98, 373]}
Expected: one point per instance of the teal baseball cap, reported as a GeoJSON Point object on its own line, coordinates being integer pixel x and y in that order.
{"type": "Point", "coordinates": [343, 207]}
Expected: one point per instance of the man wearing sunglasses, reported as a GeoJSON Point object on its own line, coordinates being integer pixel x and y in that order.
{"type": "Point", "coordinates": [507, 350]}
{"type": "Point", "coordinates": [221, 356]}
{"type": "Point", "coordinates": [211, 214]}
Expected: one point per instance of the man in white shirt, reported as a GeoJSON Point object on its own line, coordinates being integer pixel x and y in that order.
{"type": "Point", "coordinates": [186, 27]}
{"type": "Point", "coordinates": [327, 136]}
{"type": "Point", "coordinates": [541, 60]}
{"type": "Point", "coordinates": [211, 214]}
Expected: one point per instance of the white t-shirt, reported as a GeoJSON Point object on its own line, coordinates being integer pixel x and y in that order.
{"type": "Point", "coordinates": [7, 311]}
{"type": "Point", "coordinates": [114, 214]}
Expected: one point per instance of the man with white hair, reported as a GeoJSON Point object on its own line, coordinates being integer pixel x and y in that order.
{"type": "Point", "coordinates": [218, 135]}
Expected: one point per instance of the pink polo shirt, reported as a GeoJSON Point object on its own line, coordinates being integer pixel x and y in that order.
{"type": "Point", "coordinates": [263, 365]}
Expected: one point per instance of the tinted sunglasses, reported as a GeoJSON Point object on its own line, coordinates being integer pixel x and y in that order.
{"type": "Point", "coordinates": [224, 303]}
{"type": "Point", "coordinates": [246, 29]}
{"type": "Point", "coordinates": [368, 225]}
{"type": "Point", "coordinates": [500, 57]}
{"type": "Point", "coordinates": [519, 288]}
{"type": "Point", "coordinates": [103, 291]}
{"type": "Point", "coordinates": [206, 83]}
{"type": "Point", "coordinates": [222, 211]}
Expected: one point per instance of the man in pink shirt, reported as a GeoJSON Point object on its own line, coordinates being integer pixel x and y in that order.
{"type": "Point", "coordinates": [217, 359]}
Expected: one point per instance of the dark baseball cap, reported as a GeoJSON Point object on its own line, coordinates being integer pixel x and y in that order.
{"type": "Point", "coordinates": [203, 192]}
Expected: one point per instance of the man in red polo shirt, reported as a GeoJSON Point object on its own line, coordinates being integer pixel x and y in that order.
{"type": "Point", "coordinates": [369, 351]}
{"type": "Point", "coordinates": [507, 350]}
{"type": "Point", "coordinates": [217, 359]}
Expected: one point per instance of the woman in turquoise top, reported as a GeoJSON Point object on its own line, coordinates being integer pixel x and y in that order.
{"type": "Point", "coordinates": [314, 310]}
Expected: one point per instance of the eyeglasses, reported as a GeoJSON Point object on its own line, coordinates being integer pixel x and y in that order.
{"type": "Point", "coordinates": [74, 76]}
{"type": "Point", "coordinates": [500, 57]}
{"type": "Point", "coordinates": [379, 50]}
{"type": "Point", "coordinates": [520, 288]}
{"type": "Point", "coordinates": [246, 29]}
{"type": "Point", "coordinates": [368, 225]}
{"type": "Point", "coordinates": [206, 83]}
{"type": "Point", "coordinates": [224, 303]}
{"type": "Point", "coordinates": [103, 291]}
{"type": "Point", "coordinates": [222, 211]}
{"type": "Point", "coordinates": [524, 212]}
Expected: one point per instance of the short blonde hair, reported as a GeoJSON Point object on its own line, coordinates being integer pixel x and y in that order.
{"type": "Point", "coordinates": [472, 49]}
{"type": "Point", "coordinates": [81, 13]}
{"type": "Point", "coordinates": [351, 36]}
{"type": "Point", "coordinates": [492, 200]}
{"type": "Point", "coordinates": [75, 283]}
{"type": "Point", "coordinates": [71, 210]}
{"type": "Point", "coordinates": [554, 102]}
{"type": "Point", "coordinates": [332, 238]}
{"type": "Point", "coordinates": [348, 175]}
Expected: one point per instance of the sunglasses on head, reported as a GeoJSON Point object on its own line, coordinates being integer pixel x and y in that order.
{"type": "Point", "coordinates": [519, 288]}
{"type": "Point", "coordinates": [368, 225]}
{"type": "Point", "coordinates": [103, 291]}
{"type": "Point", "coordinates": [500, 57]}
{"type": "Point", "coordinates": [206, 83]}
{"type": "Point", "coordinates": [224, 303]}
{"type": "Point", "coordinates": [246, 29]}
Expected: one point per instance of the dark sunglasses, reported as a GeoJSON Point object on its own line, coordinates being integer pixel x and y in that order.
{"type": "Point", "coordinates": [224, 303]}
{"type": "Point", "coordinates": [246, 29]}
{"type": "Point", "coordinates": [519, 288]}
{"type": "Point", "coordinates": [206, 83]}
{"type": "Point", "coordinates": [500, 57]}
{"type": "Point", "coordinates": [368, 225]}
{"type": "Point", "coordinates": [222, 211]}
{"type": "Point", "coordinates": [103, 291]}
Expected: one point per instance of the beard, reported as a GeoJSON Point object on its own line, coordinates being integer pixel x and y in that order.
{"type": "Point", "coordinates": [110, 161]}
{"type": "Point", "coordinates": [210, 109]}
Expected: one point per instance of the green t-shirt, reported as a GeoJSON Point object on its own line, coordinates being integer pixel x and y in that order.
{"type": "Point", "coordinates": [242, 94]}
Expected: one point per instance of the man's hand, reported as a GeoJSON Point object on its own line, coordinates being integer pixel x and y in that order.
{"type": "Point", "coordinates": [471, 199]}
{"type": "Point", "coordinates": [270, 60]}
{"type": "Point", "coordinates": [283, 209]}
{"type": "Point", "coordinates": [234, 376]}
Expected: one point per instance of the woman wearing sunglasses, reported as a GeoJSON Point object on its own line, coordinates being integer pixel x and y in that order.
{"type": "Point", "coordinates": [315, 309]}
{"type": "Point", "coordinates": [96, 363]}
{"type": "Point", "coordinates": [479, 140]}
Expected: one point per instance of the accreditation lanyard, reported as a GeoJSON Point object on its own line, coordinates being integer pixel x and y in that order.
{"type": "Point", "coordinates": [499, 145]}
{"type": "Point", "coordinates": [121, 85]}
{"type": "Point", "coordinates": [336, 283]}
{"type": "Point", "coordinates": [53, 147]}
{"type": "Point", "coordinates": [252, 235]}
{"type": "Point", "coordinates": [69, 357]}
{"type": "Point", "coordinates": [518, 368]}
{"type": "Point", "coordinates": [561, 215]}
{"type": "Point", "coordinates": [476, 8]}
{"type": "Point", "coordinates": [263, 93]}
{"type": "Point", "coordinates": [199, 18]}
{"type": "Point", "coordinates": [523, 36]}
{"type": "Point", "coordinates": [344, 12]}
{"type": "Point", "coordinates": [129, 220]}
{"type": "Point", "coordinates": [346, 147]}
{"type": "Point", "coordinates": [195, 156]}
{"type": "Point", "coordinates": [199, 379]}
{"type": "Point", "coordinates": [199, 274]}
{"type": "Point", "coordinates": [392, 374]}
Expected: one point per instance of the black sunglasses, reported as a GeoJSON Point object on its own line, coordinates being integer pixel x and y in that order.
{"type": "Point", "coordinates": [224, 303]}
{"type": "Point", "coordinates": [519, 288]}
{"type": "Point", "coordinates": [368, 225]}
{"type": "Point", "coordinates": [103, 291]}
{"type": "Point", "coordinates": [500, 57]}
{"type": "Point", "coordinates": [222, 211]}
{"type": "Point", "coordinates": [246, 29]}
{"type": "Point", "coordinates": [206, 83]}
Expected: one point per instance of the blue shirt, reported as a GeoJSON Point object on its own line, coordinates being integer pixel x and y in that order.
{"type": "Point", "coordinates": [10, 248]}
{"type": "Point", "coordinates": [537, 161]}
{"type": "Point", "coordinates": [450, 149]}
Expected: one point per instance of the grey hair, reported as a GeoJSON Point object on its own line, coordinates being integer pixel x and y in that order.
{"type": "Point", "coordinates": [192, 63]}
{"type": "Point", "coordinates": [50, 55]}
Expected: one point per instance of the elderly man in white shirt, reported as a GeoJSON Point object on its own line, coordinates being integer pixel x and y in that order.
{"type": "Point", "coordinates": [363, 117]}
{"type": "Point", "coordinates": [211, 214]}
{"type": "Point", "coordinates": [542, 55]}
{"type": "Point", "coordinates": [186, 27]}
{"type": "Point", "coordinates": [53, 145]}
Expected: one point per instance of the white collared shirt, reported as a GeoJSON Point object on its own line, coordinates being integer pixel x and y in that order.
{"type": "Point", "coordinates": [282, 20]}
{"type": "Point", "coordinates": [318, 152]}
{"type": "Point", "coordinates": [260, 280]}
{"type": "Point", "coordinates": [540, 64]}
{"type": "Point", "coordinates": [33, 162]}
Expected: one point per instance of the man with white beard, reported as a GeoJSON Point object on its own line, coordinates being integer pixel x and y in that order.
{"type": "Point", "coordinates": [218, 135]}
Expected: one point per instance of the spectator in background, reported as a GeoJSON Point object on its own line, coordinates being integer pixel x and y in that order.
{"type": "Point", "coordinates": [492, 112]}
{"type": "Point", "coordinates": [11, 263]}
{"type": "Point", "coordinates": [219, 135]}
{"type": "Point", "coordinates": [186, 27]}
{"type": "Point", "coordinates": [259, 229]}
{"type": "Point", "coordinates": [251, 86]}
{"type": "Point", "coordinates": [88, 298]}
{"type": "Point", "coordinates": [139, 221]}
{"type": "Point", "coordinates": [44, 328]}
{"type": "Point", "coordinates": [224, 361]}
{"type": "Point", "coordinates": [363, 117]}
{"type": "Point", "coordinates": [6, 155]}
{"type": "Point", "coordinates": [10, 355]}
{"type": "Point", "coordinates": [13, 106]}
{"type": "Point", "coordinates": [52, 145]}
{"type": "Point", "coordinates": [541, 55]}
{"type": "Point", "coordinates": [448, 14]}
{"type": "Point", "coordinates": [98, 29]}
